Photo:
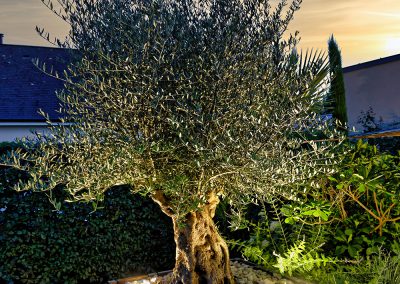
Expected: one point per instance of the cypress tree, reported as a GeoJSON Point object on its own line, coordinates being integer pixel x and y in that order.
{"type": "Point", "coordinates": [337, 94]}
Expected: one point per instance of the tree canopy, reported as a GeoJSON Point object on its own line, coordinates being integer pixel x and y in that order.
{"type": "Point", "coordinates": [185, 101]}
{"type": "Point", "coordinates": [183, 98]}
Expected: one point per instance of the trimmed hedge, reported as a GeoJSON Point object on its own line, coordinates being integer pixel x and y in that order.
{"type": "Point", "coordinates": [76, 245]}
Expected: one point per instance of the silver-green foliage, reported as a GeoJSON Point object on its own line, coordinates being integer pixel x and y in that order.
{"type": "Point", "coordinates": [183, 98]}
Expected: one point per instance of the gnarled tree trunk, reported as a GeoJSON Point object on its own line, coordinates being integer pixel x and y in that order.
{"type": "Point", "coordinates": [202, 255]}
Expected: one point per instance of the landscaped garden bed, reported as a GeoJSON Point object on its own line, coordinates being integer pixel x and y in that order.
{"type": "Point", "coordinates": [194, 105]}
{"type": "Point", "coordinates": [243, 271]}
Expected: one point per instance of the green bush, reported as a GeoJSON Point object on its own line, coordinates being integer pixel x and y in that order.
{"type": "Point", "coordinates": [351, 218]}
{"type": "Point", "coordinates": [358, 208]}
{"type": "Point", "coordinates": [366, 193]}
{"type": "Point", "coordinates": [273, 233]}
{"type": "Point", "coordinates": [78, 245]}
{"type": "Point", "coordinates": [386, 144]}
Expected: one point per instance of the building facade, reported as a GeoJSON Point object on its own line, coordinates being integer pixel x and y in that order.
{"type": "Point", "coordinates": [373, 95]}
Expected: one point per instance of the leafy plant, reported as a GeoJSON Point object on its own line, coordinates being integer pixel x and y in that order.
{"type": "Point", "coordinates": [356, 240]}
{"type": "Point", "coordinates": [332, 216]}
{"type": "Point", "coordinates": [367, 194]}
{"type": "Point", "coordinates": [278, 229]}
{"type": "Point", "coordinates": [297, 258]}
{"type": "Point", "coordinates": [378, 269]}
{"type": "Point", "coordinates": [313, 212]}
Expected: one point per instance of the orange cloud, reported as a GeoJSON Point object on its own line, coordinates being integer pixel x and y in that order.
{"type": "Point", "coordinates": [362, 27]}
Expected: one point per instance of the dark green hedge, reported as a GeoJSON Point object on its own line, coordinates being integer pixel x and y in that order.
{"type": "Point", "coordinates": [76, 245]}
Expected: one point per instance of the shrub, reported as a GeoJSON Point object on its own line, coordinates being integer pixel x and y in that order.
{"type": "Point", "coordinates": [367, 195]}
{"type": "Point", "coordinates": [76, 245]}
{"type": "Point", "coordinates": [347, 220]}
{"type": "Point", "coordinates": [358, 206]}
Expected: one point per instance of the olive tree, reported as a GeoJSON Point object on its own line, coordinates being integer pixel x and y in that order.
{"type": "Point", "coordinates": [187, 101]}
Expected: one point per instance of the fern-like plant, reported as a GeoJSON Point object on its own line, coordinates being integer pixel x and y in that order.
{"type": "Point", "coordinates": [297, 258]}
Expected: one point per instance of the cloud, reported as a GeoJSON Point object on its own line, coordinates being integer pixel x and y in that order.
{"type": "Point", "coordinates": [361, 26]}
{"type": "Point", "coordinates": [383, 14]}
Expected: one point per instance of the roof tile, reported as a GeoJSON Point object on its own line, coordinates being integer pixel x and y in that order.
{"type": "Point", "coordinates": [24, 89]}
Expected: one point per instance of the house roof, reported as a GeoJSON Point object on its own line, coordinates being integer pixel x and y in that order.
{"type": "Point", "coordinates": [372, 63]}
{"type": "Point", "coordinates": [24, 88]}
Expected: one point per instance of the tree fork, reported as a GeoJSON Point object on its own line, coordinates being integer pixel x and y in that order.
{"type": "Point", "coordinates": [202, 256]}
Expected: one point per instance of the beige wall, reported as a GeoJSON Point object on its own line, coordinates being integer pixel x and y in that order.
{"type": "Point", "coordinates": [377, 87]}
{"type": "Point", "coordinates": [9, 133]}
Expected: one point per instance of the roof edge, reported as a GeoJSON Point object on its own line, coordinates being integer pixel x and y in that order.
{"type": "Point", "coordinates": [33, 46]}
{"type": "Point", "coordinates": [372, 63]}
{"type": "Point", "coordinates": [34, 124]}
{"type": "Point", "coordinates": [28, 120]}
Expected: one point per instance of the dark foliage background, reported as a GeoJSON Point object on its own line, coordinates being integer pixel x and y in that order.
{"type": "Point", "coordinates": [76, 245]}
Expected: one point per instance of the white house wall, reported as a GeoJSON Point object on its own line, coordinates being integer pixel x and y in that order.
{"type": "Point", "coordinates": [10, 133]}
{"type": "Point", "coordinates": [377, 87]}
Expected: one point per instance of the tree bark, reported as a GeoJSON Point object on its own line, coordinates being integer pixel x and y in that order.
{"type": "Point", "coordinates": [202, 256]}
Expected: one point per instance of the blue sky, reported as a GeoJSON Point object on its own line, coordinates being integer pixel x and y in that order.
{"type": "Point", "coordinates": [365, 29]}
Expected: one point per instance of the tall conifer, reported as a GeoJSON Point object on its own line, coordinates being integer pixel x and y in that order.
{"type": "Point", "coordinates": [337, 94]}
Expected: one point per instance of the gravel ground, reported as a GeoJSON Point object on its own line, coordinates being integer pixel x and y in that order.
{"type": "Point", "coordinates": [243, 273]}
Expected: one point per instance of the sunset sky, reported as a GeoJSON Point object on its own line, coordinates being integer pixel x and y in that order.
{"type": "Point", "coordinates": [364, 29]}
